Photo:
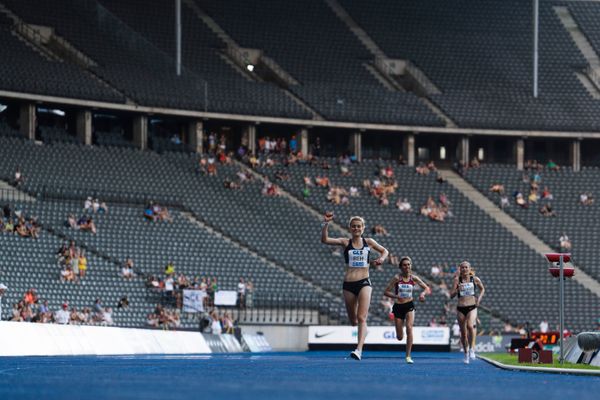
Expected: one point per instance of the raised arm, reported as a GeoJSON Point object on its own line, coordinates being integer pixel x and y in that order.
{"type": "Point", "coordinates": [481, 290]}
{"type": "Point", "coordinates": [325, 233]}
{"type": "Point", "coordinates": [390, 288]}
{"type": "Point", "coordinates": [380, 249]}
{"type": "Point", "coordinates": [426, 289]}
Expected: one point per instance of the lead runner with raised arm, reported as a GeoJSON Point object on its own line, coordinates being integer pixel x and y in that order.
{"type": "Point", "coordinates": [357, 285]}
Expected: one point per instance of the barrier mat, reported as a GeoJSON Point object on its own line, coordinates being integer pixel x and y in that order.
{"type": "Point", "coordinates": [310, 375]}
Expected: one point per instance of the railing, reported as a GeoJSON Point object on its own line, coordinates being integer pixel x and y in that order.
{"type": "Point", "coordinates": [14, 196]}
{"type": "Point", "coordinates": [267, 309]}
{"type": "Point", "coordinates": [115, 196]}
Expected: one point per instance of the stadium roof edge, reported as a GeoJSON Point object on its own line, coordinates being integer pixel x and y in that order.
{"type": "Point", "coordinates": [293, 121]}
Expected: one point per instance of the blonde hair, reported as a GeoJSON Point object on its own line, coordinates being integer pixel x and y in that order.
{"type": "Point", "coordinates": [356, 218]}
{"type": "Point", "coordinates": [472, 270]}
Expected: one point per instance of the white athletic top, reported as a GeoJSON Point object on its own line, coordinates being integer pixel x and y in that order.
{"type": "Point", "coordinates": [466, 288]}
{"type": "Point", "coordinates": [404, 290]}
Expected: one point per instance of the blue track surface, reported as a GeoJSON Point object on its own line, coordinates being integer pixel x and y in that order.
{"type": "Point", "coordinates": [311, 375]}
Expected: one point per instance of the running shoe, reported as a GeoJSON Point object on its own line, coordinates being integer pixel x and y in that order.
{"type": "Point", "coordinates": [472, 354]}
{"type": "Point", "coordinates": [356, 355]}
{"type": "Point", "coordinates": [466, 359]}
{"type": "Point", "coordinates": [409, 360]}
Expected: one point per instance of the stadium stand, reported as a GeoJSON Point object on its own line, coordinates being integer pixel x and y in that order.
{"type": "Point", "coordinates": [318, 51]}
{"type": "Point", "coordinates": [482, 64]}
{"type": "Point", "coordinates": [30, 72]}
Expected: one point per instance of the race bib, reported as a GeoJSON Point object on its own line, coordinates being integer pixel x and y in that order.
{"type": "Point", "coordinates": [466, 289]}
{"type": "Point", "coordinates": [405, 290]}
{"type": "Point", "coordinates": [358, 258]}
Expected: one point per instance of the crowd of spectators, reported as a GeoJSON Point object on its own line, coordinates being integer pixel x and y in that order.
{"type": "Point", "coordinates": [73, 262]}
{"type": "Point", "coordinates": [14, 221]}
{"type": "Point", "coordinates": [33, 309]}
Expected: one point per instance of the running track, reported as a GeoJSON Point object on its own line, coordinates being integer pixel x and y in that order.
{"type": "Point", "coordinates": [311, 375]}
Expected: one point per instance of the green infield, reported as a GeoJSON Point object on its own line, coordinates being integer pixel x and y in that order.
{"type": "Point", "coordinates": [511, 359]}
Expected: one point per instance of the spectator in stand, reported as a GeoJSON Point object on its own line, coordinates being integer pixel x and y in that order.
{"type": "Point", "coordinates": [586, 199]}
{"type": "Point", "coordinates": [19, 178]}
{"type": "Point", "coordinates": [82, 265]}
{"type": "Point", "coordinates": [504, 202]}
{"type": "Point", "coordinates": [74, 316]}
{"type": "Point", "coordinates": [103, 208]}
{"type": "Point", "coordinates": [497, 188]}
{"type": "Point", "coordinates": [293, 145]}
{"type": "Point", "coordinates": [305, 192]}
{"type": "Point", "coordinates": [547, 211]}
{"type": "Point", "coordinates": [565, 243]}
{"type": "Point", "coordinates": [149, 212]}
{"type": "Point", "coordinates": [152, 320]}
{"type": "Point", "coordinates": [87, 205]}
{"type": "Point", "coordinates": [67, 274]}
{"type": "Point", "coordinates": [215, 323]}
{"type": "Point", "coordinates": [170, 268]}
{"type": "Point", "coordinates": [249, 294]}
{"type": "Point", "coordinates": [6, 211]}
{"type": "Point", "coordinates": [30, 297]}
{"type": "Point", "coordinates": [544, 326]}
{"type": "Point", "coordinates": [3, 289]}
{"type": "Point", "coordinates": [127, 270]}
{"type": "Point", "coordinates": [62, 316]}
{"type": "Point", "coordinates": [9, 226]}
{"type": "Point", "coordinates": [44, 312]}
{"type": "Point", "coordinates": [123, 302]}
{"type": "Point", "coordinates": [169, 286]}
{"type": "Point", "coordinates": [474, 163]}
{"type": "Point", "coordinates": [72, 222]}
{"type": "Point", "coordinates": [435, 271]}
{"type": "Point", "coordinates": [87, 224]}
{"type": "Point", "coordinates": [520, 200]}
{"type": "Point", "coordinates": [227, 323]}
{"type": "Point", "coordinates": [21, 229]}
{"type": "Point", "coordinates": [98, 307]}
{"type": "Point", "coordinates": [552, 166]}
{"type": "Point", "coordinates": [107, 318]}
{"type": "Point", "coordinates": [379, 230]}
{"type": "Point", "coordinates": [241, 292]}
{"type": "Point", "coordinates": [546, 195]}
{"type": "Point", "coordinates": [403, 205]}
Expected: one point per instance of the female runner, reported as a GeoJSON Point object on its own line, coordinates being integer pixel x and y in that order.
{"type": "Point", "coordinates": [400, 288]}
{"type": "Point", "coordinates": [466, 310]}
{"type": "Point", "coordinates": [357, 285]}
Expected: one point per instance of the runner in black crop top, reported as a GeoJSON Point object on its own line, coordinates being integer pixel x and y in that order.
{"type": "Point", "coordinates": [357, 285]}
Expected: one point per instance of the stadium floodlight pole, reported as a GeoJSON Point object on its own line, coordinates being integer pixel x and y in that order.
{"type": "Point", "coordinates": [178, 36]}
{"type": "Point", "coordinates": [536, 28]}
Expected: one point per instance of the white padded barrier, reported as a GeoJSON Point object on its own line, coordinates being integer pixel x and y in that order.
{"type": "Point", "coordinates": [29, 339]}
